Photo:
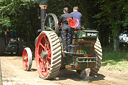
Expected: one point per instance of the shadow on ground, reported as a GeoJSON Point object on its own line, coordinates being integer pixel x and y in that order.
{"type": "Point", "coordinates": [8, 54]}
{"type": "Point", "coordinates": [68, 74]}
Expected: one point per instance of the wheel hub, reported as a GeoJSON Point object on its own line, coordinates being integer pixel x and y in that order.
{"type": "Point", "coordinates": [44, 54]}
{"type": "Point", "coordinates": [25, 58]}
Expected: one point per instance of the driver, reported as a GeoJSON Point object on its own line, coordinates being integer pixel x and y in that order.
{"type": "Point", "coordinates": [66, 30]}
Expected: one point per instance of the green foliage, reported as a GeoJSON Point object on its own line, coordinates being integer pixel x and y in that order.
{"type": "Point", "coordinates": [5, 21]}
{"type": "Point", "coordinates": [24, 15]}
{"type": "Point", "coordinates": [42, 2]}
{"type": "Point", "coordinates": [86, 7]}
{"type": "Point", "coordinates": [114, 15]}
{"type": "Point", "coordinates": [21, 16]}
{"type": "Point", "coordinates": [107, 16]}
{"type": "Point", "coordinates": [115, 60]}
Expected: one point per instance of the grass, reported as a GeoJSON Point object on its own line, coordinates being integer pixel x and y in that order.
{"type": "Point", "coordinates": [115, 60]}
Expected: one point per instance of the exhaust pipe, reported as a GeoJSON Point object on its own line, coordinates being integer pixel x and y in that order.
{"type": "Point", "coordinates": [43, 14]}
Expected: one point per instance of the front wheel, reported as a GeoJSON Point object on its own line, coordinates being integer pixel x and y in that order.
{"type": "Point", "coordinates": [27, 59]}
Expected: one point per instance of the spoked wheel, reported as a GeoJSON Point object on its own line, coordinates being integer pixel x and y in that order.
{"type": "Point", "coordinates": [98, 52]}
{"type": "Point", "coordinates": [27, 59]}
{"type": "Point", "coordinates": [51, 23]}
{"type": "Point", "coordinates": [48, 55]}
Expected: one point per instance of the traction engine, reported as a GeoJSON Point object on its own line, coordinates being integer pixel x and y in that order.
{"type": "Point", "coordinates": [85, 54]}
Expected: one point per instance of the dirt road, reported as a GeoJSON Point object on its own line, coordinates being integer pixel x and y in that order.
{"type": "Point", "coordinates": [13, 74]}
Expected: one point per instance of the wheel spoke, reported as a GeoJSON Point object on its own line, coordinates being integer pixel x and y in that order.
{"type": "Point", "coordinates": [25, 64]}
{"type": "Point", "coordinates": [45, 38]}
{"type": "Point", "coordinates": [49, 55]}
{"type": "Point", "coordinates": [26, 59]}
{"type": "Point", "coordinates": [43, 43]}
{"type": "Point", "coordinates": [44, 54]}
{"type": "Point", "coordinates": [41, 65]}
{"type": "Point", "coordinates": [48, 65]}
{"type": "Point", "coordinates": [42, 46]}
{"type": "Point", "coordinates": [48, 46]}
{"type": "Point", "coordinates": [50, 21]}
{"type": "Point", "coordinates": [48, 25]}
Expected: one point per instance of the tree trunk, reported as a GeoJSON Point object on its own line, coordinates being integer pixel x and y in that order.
{"type": "Point", "coordinates": [116, 39]}
{"type": "Point", "coordinates": [116, 44]}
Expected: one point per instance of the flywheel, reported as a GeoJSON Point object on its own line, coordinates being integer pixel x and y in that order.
{"type": "Point", "coordinates": [51, 23]}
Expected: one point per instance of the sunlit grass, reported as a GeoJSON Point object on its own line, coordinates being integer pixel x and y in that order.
{"type": "Point", "coordinates": [115, 60]}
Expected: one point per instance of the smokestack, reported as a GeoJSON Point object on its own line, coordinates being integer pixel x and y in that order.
{"type": "Point", "coordinates": [43, 14]}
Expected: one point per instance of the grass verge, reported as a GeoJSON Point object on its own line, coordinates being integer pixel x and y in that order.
{"type": "Point", "coordinates": [115, 60]}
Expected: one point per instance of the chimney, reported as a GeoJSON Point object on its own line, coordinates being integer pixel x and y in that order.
{"type": "Point", "coordinates": [43, 14]}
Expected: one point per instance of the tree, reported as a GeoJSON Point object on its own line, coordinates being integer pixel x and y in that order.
{"type": "Point", "coordinates": [23, 16]}
{"type": "Point", "coordinates": [111, 15]}
{"type": "Point", "coordinates": [85, 7]}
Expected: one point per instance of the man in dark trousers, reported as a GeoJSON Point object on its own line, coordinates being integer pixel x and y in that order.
{"type": "Point", "coordinates": [77, 15]}
{"type": "Point", "coordinates": [66, 30]}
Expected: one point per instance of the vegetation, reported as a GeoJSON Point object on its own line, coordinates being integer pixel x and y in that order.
{"type": "Point", "coordinates": [115, 60]}
{"type": "Point", "coordinates": [112, 14]}
{"type": "Point", "coordinates": [109, 17]}
{"type": "Point", "coordinates": [21, 16]}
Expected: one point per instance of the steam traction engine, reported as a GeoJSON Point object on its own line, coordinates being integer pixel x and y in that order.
{"type": "Point", "coordinates": [85, 52]}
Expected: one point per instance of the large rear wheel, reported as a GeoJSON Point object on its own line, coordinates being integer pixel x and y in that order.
{"type": "Point", "coordinates": [48, 55]}
{"type": "Point", "coordinates": [98, 52]}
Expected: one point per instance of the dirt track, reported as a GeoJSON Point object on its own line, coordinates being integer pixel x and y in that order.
{"type": "Point", "coordinates": [13, 74]}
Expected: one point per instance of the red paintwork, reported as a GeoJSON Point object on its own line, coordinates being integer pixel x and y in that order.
{"type": "Point", "coordinates": [70, 67]}
{"type": "Point", "coordinates": [43, 65]}
{"type": "Point", "coordinates": [73, 23]}
{"type": "Point", "coordinates": [25, 62]}
{"type": "Point", "coordinates": [93, 42]}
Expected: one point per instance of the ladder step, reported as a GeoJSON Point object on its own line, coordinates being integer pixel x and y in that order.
{"type": "Point", "coordinates": [74, 54]}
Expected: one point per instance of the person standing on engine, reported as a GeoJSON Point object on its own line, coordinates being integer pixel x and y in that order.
{"type": "Point", "coordinates": [77, 15]}
{"type": "Point", "coordinates": [66, 30]}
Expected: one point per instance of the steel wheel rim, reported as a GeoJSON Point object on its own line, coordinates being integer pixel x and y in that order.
{"type": "Point", "coordinates": [25, 59]}
{"type": "Point", "coordinates": [43, 64]}
{"type": "Point", "coordinates": [98, 52]}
